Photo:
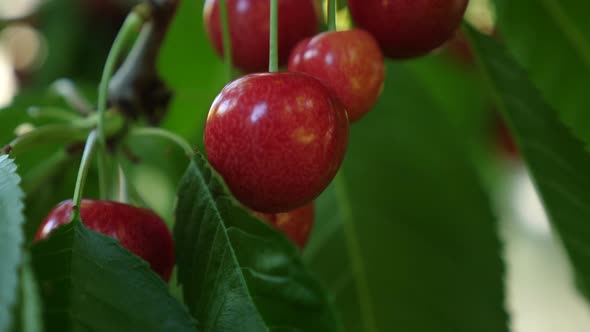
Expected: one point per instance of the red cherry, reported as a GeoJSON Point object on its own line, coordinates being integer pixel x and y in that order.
{"type": "Point", "coordinates": [139, 230]}
{"type": "Point", "coordinates": [250, 29]}
{"type": "Point", "coordinates": [408, 28]}
{"type": "Point", "coordinates": [296, 224]}
{"type": "Point", "coordinates": [277, 139]}
{"type": "Point", "coordinates": [350, 62]}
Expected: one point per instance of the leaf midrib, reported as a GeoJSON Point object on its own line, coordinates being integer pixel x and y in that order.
{"type": "Point", "coordinates": [213, 203]}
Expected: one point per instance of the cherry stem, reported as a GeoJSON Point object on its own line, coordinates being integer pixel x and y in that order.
{"type": "Point", "coordinates": [162, 133]}
{"type": "Point", "coordinates": [66, 89]}
{"type": "Point", "coordinates": [132, 191]}
{"type": "Point", "coordinates": [227, 49]}
{"type": "Point", "coordinates": [73, 131]}
{"type": "Point", "coordinates": [43, 135]}
{"type": "Point", "coordinates": [103, 182]}
{"type": "Point", "coordinates": [53, 113]}
{"type": "Point", "coordinates": [123, 188]}
{"type": "Point", "coordinates": [126, 34]}
{"type": "Point", "coordinates": [273, 59]}
{"type": "Point", "coordinates": [83, 173]}
{"type": "Point", "coordinates": [332, 15]}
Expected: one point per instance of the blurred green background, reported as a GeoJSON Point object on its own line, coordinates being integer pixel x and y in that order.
{"type": "Point", "coordinates": [408, 227]}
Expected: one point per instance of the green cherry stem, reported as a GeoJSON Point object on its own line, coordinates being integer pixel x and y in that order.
{"type": "Point", "coordinates": [52, 113]}
{"type": "Point", "coordinates": [332, 15]}
{"type": "Point", "coordinates": [132, 191]}
{"type": "Point", "coordinates": [64, 133]}
{"type": "Point", "coordinates": [123, 187]}
{"type": "Point", "coordinates": [273, 59]}
{"type": "Point", "coordinates": [126, 34]}
{"type": "Point", "coordinates": [227, 48]}
{"type": "Point", "coordinates": [69, 92]}
{"type": "Point", "coordinates": [83, 173]}
{"type": "Point", "coordinates": [162, 133]}
{"type": "Point", "coordinates": [103, 182]}
{"type": "Point", "coordinates": [42, 135]}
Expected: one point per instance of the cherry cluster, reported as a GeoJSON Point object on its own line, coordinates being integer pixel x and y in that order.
{"type": "Point", "coordinates": [278, 139]}
{"type": "Point", "coordinates": [136, 89]}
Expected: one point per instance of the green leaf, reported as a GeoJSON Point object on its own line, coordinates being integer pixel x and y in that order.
{"type": "Point", "coordinates": [551, 39]}
{"type": "Point", "coordinates": [556, 159]}
{"type": "Point", "coordinates": [90, 283]}
{"type": "Point", "coordinates": [238, 273]}
{"type": "Point", "coordinates": [405, 239]}
{"type": "Point", "coordinates": [11, 237]}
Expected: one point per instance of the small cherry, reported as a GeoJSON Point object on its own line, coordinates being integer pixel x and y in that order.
{"type": "Point", "coordinates": [349, 62]}
{"type": "Point", "coordinates": [296, 224]}
{"type": "Point", "coordinates": [277, 139]}
{"type": "Point", "coordinates": [250, 29]}
{"type": "Point", "coordinates": [139, 230]}
{"type": "Point", "coordinates": [408, 28]}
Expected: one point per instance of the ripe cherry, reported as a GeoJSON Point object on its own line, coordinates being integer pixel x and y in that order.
{"type": "Point", "coordinates": [250, 29]}
{"type": "Point", "coordinates": [350, 62]}
{"type": "Point", "coordinates": [408, 28]}
{"type": "Point", "coordinates": [139, 230]}
{"type": "Point", "coordinates": [277, 139]}
{"type": "Point", "coordinates": [296, 224]}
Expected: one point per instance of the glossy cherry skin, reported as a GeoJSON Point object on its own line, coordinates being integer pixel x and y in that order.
{"type": "Point", "coordinates": [296, 224]}
{"type": "Point", "coordinates": [139, 230]}
{"type": "Point", "coordinates": [408, 28]}
{"type": "Point", "coordinates": [250, 29]}
{"type": "Point", "coordinates": [277, 139]}
{"type": "Point", "coordinates": [349, 62]}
